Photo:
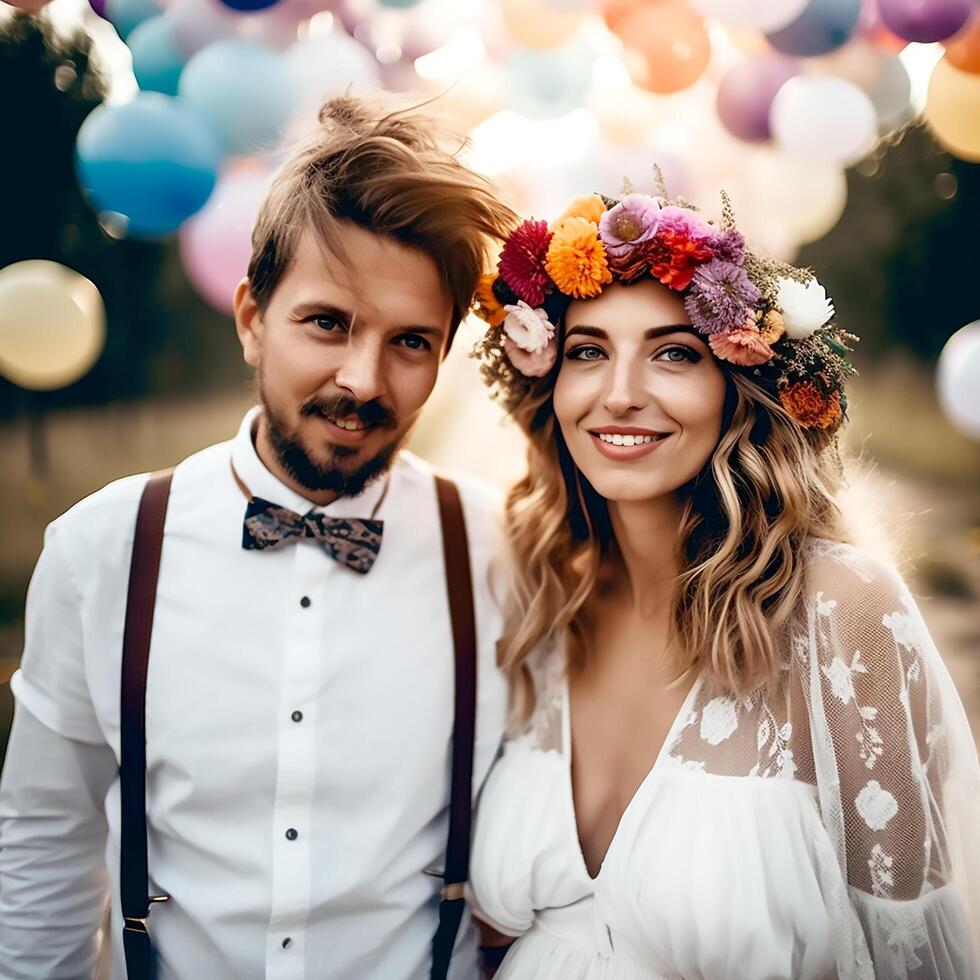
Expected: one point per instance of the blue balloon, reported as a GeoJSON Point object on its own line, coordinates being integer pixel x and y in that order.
{"type": "Point", "coordinates": [549, 83]}
{"type": "Point", "coordinates": [247, 5]}
{"type": "Point", "coordinates": [153, 160]}
{"type": "Point", "coordinates": [823, 26]}
{"type": "Point", "coordinates": [126, 15]}
{"type": "Point", "coordinates": [157, 56]}
{"type": "Point", "coordinates": [244, 89]}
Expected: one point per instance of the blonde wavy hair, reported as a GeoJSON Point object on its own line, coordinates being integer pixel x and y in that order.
{"type": "Point", "coordinates": [768, 486]}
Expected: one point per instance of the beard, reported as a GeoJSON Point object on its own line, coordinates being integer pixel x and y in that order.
{"type": "Point", "coordinates": [340, 475]}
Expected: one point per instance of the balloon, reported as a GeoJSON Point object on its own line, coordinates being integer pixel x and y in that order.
{"type": "Point", "coordinates": [244, 89]}
{"type": "Point", "coordinates": [125, 15]}
{"type": "Point", "coordinates": [872, 27]}
{"type": "Point", "coordinates": [29, 6]}
{"type": "Point", "coordinates": [925, 21]}
{"type": "Point", "coordinates": [216, 244]}
{"type": "Point", "coordinates": [52, 324]}
{"type": "Point", "coordinates": [667, 46]}
{"type": "Point", "coordinates": [535, 24]}
{"type": "Point", "coordinates": [198, 23]}
{"type": "Point", "coordinates": [751, 14]}
{"type": "Point", "coordinates": [247, 6]}
{"type": "Point", "coordinates": [824, 118]}
{"type": "Point", "coordinates": [547, 84]}
{"type": "Point", "coordinates": [746, 92]}
{"type": "Point", "coordinates": [953, 110]}
{"type": "Point", "coordinates": [398, 4]}
{"type": "Point", "coordinates": [958, 379]}
{"type": "Point", "coordinates": [858, 61]}
{"type": "Point", "coordinates": [326, 64]}
{"type": "Point", "coordinates": [158, 58]}
{"type": "Point", "coordinates": [153, 160]}
{"type": "Point", "coordinates": [891, 95]}
{"type": "Point", "coordinates": [823, 26]}
{"type": "Point", "coordinates": [963, 50]}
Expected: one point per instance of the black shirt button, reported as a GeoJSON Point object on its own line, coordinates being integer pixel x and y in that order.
{"type": "Point", "coordinates": [287, 942]}
{"type": "Point", "coordinates": [291, 834]}
{"type": "Point", "coordinates": [305, 602]}
{"type": "Point", "coordinates": [297, 716]}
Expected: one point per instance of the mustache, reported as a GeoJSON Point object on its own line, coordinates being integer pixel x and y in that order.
{"type": "Point", "coordinates": [342, 406]}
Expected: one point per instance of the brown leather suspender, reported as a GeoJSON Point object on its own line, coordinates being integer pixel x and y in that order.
{"type": "Point", "coordinates": [144, 570]}
{"type": "Point", "coordinates": [140, 603]}
{"type": "Point", "coordinates": [459, 586]}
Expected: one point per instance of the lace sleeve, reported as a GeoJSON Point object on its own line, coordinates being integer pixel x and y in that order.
{"type": "Point", "coordinates": [896, 769]}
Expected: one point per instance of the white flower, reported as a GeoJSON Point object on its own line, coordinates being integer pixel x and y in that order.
{"type": "Point", "coordinates": [839, 675]}
{"type": "Point", "coordinates": [876, 805]}
{"type": "Point", "coordinates": [805, 308]}
{"type": "Point", "coordinates": [718, 720]}
{"type": "Point", "coordinates": [528, 328]}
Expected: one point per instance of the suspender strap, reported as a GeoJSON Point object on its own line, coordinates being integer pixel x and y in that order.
{"type": "Point", "coordinates": [140, 603]}
{"type": "Point", "coordinates": [460, 589]}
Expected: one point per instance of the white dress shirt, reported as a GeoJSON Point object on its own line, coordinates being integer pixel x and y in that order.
{"type": "Point", "coordinates": [298, 724]}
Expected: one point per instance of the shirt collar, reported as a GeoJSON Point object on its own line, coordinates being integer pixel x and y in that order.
{"type": "Point", "coordinates": [265, 484]}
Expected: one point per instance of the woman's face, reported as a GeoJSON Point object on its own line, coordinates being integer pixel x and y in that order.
{"type": "Point", "coordinates": [639, 394]}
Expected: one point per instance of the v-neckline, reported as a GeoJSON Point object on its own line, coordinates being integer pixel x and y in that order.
{"type": "Point", "coordinates": [566, 736]}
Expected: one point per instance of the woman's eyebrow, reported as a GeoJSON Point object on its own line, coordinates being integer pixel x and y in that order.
{"type": "Point", "coordinates": [589, 331]}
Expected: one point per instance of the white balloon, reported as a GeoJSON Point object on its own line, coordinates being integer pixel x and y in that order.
{"type": "Point", "coordinates": [326, 64]}
{"type": "Point", "coordinates": [958, 379]}
{"type": "Point", "coordinates": [759, 16]}
{"type": "Point", "coordinates": [824, 118]}
{"type": "Point", "coordinates": [52, 324]}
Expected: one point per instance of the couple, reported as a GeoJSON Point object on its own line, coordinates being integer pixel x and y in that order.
{"type": "Point", "coordinates": [711, 740]}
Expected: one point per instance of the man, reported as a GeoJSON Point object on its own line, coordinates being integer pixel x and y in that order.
{"type": "Point", "coordinates": [299, 702]}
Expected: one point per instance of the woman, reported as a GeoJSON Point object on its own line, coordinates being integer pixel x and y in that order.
{"type": "Point", "coordinates": [735, 750]}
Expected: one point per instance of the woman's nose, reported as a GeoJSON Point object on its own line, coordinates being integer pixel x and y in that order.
{"type": "Point", "coordinates": [624, 392]}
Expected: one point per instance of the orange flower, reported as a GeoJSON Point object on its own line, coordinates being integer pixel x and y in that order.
{"type": "Point", "coordinates": [772, 326]}
{"type": "Point", "coordinates": [576, 259]}
{"type": "Point", "coordinates": [589, 206]}
{"type": "Point", "coordinates": [810, 406]}
{"type": "Point", "coordinates": [487, 306]}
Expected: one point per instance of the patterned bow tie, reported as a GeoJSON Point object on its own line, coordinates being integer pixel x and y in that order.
{"type": "Point", "coordinates": [350, 540]}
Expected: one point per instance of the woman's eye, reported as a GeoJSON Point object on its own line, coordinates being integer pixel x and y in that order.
{"type": "Point", "coordinates": [677, 354]}
{"type": "Point", "coordinates": [414, 342]}
{"type": "Point", "coordinates": [587, 352]}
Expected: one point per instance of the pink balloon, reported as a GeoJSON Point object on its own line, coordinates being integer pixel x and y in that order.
{"type": "Point", "coordinates": [746, 92]}
{"type": "Point", "coordinates": [216, 244]}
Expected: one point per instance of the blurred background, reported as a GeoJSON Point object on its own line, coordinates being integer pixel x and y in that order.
{"type": "Point", "coordinates": [139, 137]}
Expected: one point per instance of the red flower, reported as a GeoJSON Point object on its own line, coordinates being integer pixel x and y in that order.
{"type": "Point", "coordinates": [673, 257]}
{"type": "Point", "coordinates": [521, 262]}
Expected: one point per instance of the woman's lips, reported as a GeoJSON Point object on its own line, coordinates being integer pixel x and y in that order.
{"type": "Point", "coordinates": [645, 443]}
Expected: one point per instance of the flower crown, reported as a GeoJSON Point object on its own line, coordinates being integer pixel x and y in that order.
{"type": "Point", "coordinates": [770, 320]}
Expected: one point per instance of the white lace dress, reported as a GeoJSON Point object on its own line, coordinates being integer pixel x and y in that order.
{"type": "Point", "coordinates": [830, 828]}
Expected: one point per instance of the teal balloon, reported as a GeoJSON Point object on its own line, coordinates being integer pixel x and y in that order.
{"type": "Point", "coordinates": [153, 160]}
{"type": "Point", "coordinates": [545, 84]}
{"type": "Point", "coordinates": [126, 15]}
{"type": "Point", "coordinates": [398, 4]}
{"type": "Point", "coordinates": [157, 57]}
{"type": "Point", "coordinates": [823, 26]}
{"type": "Point", "coordinates": [245, 90]}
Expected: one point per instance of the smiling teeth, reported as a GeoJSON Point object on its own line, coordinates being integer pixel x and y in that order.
{"type": "Point", "coordinates": [618, 440]}
{"type": "Point", "coordinates": [349, 426]}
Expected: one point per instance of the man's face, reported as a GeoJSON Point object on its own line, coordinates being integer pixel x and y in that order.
{"type": "Point", "coordinates": [346, 356]}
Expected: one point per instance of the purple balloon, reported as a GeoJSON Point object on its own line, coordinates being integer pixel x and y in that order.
{"type": "Point", "coordinates": [98, 6]}
{"type": "Point", "coordinates": [746, 93]}
{"type": "Point", "coordinates": [925, 21]}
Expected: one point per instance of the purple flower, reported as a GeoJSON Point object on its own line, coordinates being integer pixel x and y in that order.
{"type": "Point", "coordinates": [721, 297]}
{"type": "Point", "coordinates": [633, 220]}
{"type": "Point", "coordinates": [729, 246]}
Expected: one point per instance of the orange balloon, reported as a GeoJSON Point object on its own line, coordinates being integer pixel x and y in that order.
{"type": "Point", "coordinates": [963, 49]}
{"type": "Point", "coordinates": [667, 46]}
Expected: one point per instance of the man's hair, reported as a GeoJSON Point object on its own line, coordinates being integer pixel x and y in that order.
{"type": "Point", "coordinates": [387, 171]}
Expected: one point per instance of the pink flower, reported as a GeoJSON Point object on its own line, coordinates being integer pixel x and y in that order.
{"type": "Point", "coordinates": [528, 328]}
{"type": "Point", "coordinates": [633, 220]}
{"type": "Point", "coordinates": [743, 346]}
{"type": "Point", "coordinates": [532, 365]}
{"type": "Point", "coordinates": [685, 223]}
